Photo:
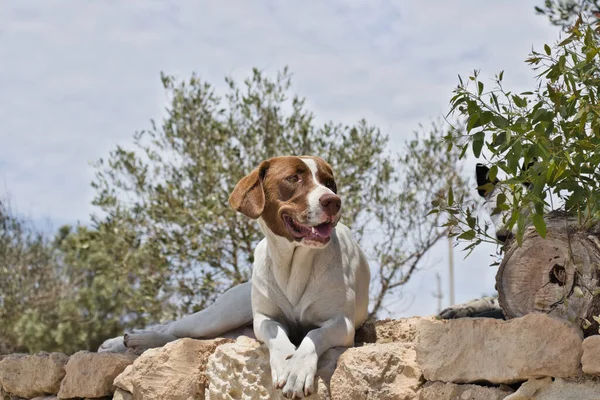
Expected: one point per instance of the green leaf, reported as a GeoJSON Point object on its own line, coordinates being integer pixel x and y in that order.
{"type": "Point", "coordinates": [471, 221]}
{"type": "Point", "coordinates": [473, 122]}
{"type": "Point", "coordinates": [501, 199]}
{"type": "Point", "coordinates": [493, 173]}
{"type": "Point", "coordinates": [463, 151]}
{"type": "Point", "coordinates": [478, 141]}
{"type": "Point", "coordinates": [487, 188]}
{"type": "Point", "coordinates": [500, 122]}
{"type": "Point", "coordinates": [567, 41]}
{"type": "Point", "coordinates": [467, 235]}
{"type": "Point", "coordinates": [519, 101]}
{"type": "Point", "coordinates": [450, 197]}
{"type": "Point", "coordinates": [499, 139]}
{"type": "Point", "coordinates": [485, 117]}
{"type": "Point", "coordinates": [547, 49]}
{"type": "Point", "coordinates": [540, 224]}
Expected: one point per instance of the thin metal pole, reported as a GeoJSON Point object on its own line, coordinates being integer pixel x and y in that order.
{"type": "Point", "coordinates": [439, 294]}
{"type": "Point", "coordinates": [451, 268]}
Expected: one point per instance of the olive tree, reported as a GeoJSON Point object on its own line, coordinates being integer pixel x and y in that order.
{"type": "Point", "coordinates": [564, 13]}
{"type": "Point", "coordinates": [164, 241]}
{"type": "Point", "coordinates": [173, 183]}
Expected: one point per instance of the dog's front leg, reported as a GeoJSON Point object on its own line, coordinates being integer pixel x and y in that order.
{"type": "Point", "coordinates": [274, 335]}
{"type": "Point", "coordinates": [301, 368]}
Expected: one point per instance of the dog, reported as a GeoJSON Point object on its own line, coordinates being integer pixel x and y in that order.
{"type": "Point", "coordinates": [310, 283]}
{"type": "Point", "coordinates": [486, 307]}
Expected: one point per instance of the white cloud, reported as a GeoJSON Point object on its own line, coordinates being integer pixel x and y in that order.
{"type": "Point", "coordinates": [79, 77]}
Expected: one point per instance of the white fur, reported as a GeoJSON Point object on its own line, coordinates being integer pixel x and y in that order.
{"type": "Point", "coordinates": [500, 219]}
{"type": "Point", "coordinates": [315, 211]}
{"type": "Point", "coordinates": [318, 293]}
{"type": "Point", "coordinates": [299, 289]}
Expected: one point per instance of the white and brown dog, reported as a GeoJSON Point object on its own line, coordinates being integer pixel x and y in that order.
{"type": "Point", "coordinates": [310, 281]}
{"type": "Point", "coordinates": [488, 307]}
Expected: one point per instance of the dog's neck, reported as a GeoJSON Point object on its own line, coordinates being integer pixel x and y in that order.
{"type": "Point", "coordinates": [280, 249]}
{"type": "Point", "coordinates": [292, 263]}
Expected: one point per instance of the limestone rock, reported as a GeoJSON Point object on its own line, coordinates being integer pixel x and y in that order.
{"type": "Point", "coordinates": [590, 360]}
{"type": "Point", "coordinates": [241, 370]}
{"type": "Point", "coordinates": [377, 371]}
{"type": "Point", "coordinates": [481, 349]}
{"type": "Point", "coordinates": [452, 391]}
{"type": "Point", "coordinates": [92, 374]}
{"type": "Point", "coordinates": [32, 375]}
{"type": "Point", "coordinates": [121, 394]}
{"type": "Point", "coordinates": [175, 371]}
{"type": "Point", "coordinates": [557, 389]}
{"type": "Point", "coordinates": [399, 330]}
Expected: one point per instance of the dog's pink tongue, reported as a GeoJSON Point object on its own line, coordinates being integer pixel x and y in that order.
{"type": "Point", "coordinates": [324, 230]}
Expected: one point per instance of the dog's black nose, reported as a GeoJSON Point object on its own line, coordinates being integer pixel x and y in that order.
{"type": "Point", "coordinates": [331, 203]}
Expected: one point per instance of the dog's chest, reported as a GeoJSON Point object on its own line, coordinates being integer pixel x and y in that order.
{"type": "Point", "coordinates": [309, 290]}
{"type": "Point", "coordinates": [296, 279]}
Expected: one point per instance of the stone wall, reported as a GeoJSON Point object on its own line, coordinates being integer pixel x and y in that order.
{"type": "Point", "coordinates": [534, 357]}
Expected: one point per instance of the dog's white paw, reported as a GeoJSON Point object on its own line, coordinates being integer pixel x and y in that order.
{"type": "Point", "coordinates": [114, 345]}
{"type": "Point", "coordinates": [299, 374]}
{"type": "Point", "coordinates": [278, 360]}
{"type": "Point", "coordinates": [277, 367]}
{"type": "Point", "coordinates": [142, 339]}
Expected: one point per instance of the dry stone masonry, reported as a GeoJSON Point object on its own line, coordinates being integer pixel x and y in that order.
{"type": "Point", "coordinates": [535, 357]}
{"type": "Point", "coordinates": [495, 351]}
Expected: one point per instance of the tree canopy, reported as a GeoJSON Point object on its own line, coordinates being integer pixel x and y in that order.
{"type": "Point", "coordinates": [564, 13]}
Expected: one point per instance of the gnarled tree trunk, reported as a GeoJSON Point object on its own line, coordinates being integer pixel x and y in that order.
{"type": "Point", "coordinates": [557, 275]}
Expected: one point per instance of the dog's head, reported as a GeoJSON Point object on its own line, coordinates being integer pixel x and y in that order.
{"type": "Point", "coordinates": [294, 196]}
{"type": "Point", "coordinates": [490, 190]}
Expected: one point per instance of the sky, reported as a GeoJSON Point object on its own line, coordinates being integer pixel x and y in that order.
{"type": "Point", "coordinates": [79, 77]}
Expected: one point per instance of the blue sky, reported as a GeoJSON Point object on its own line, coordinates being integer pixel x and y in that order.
{"type": "Point", "coordinates": [79, 77]}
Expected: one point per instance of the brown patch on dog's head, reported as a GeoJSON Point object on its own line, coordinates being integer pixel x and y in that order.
{"type": "Point", "coordinates": [295, 197]}
{"type": "Point", "coordinates": [248, 196]}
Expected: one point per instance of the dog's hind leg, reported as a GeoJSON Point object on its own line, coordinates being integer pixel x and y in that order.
{"type": "Point", "coordinates": [487, 307]}
{"type": "Point", "coordinates": [231, 310]}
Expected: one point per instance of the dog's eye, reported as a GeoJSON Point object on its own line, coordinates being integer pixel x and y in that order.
{"type": "Point", "coordinates": [330, 184]}
{"type": "Point", "coordinates": [293, 178]}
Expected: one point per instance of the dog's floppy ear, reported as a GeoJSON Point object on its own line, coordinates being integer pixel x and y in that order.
{"type": "Point", "coordinates": [248, 196]}
{"type": "Point", "coordinates": [481, 171]}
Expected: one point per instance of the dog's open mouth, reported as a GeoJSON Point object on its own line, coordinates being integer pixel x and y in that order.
{"type": "Point", "coordinates": [319, 233]}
